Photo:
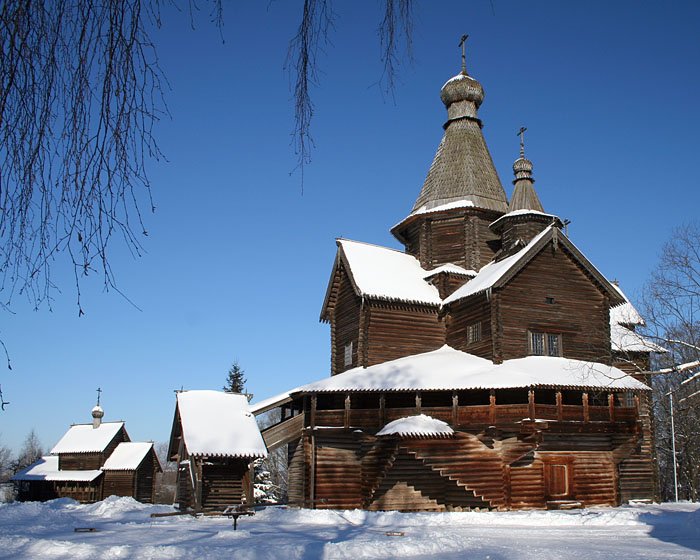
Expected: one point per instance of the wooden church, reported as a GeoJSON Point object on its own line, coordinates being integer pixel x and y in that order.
{"type": "Point", "coordinates": [91, 462]}
{"type": "Point", "coordinates": [489, 365]}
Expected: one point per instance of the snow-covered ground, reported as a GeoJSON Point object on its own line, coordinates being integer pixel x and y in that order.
{"type": "Point", "coordinates": [124, 529]}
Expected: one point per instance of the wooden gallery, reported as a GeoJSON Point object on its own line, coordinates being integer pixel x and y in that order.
{"type": "Point", "coordinates": [489, 365]}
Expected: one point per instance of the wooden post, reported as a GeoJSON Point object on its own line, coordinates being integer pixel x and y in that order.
{"type": "Point", "coordinates": [198, 486]}
{"type": "Point", "coordinates": [611, 406]}
{"type": "Point", "coordinates": [312, 422]}
{"type": "Point", "coordinates": [249, 492]}
{"type": "Point", "coordinates": [418, 402]}
{"type": "Point", "coordinates": [586, 412]}
{"type": "Point", "coordinates": [455, 409]}
{"type": "Point", "coordinates": [346, 418]}
{"type": "Point", "coordinates": [531, 404]}
{"type": "Point", "coordinates": [382, 409]}
{"type": "Point", "coordinates": [312, 482]}
{"type": "Point", "coordinates": [560, 408]}
{"type": "Point", "coordinates": [492, 406]}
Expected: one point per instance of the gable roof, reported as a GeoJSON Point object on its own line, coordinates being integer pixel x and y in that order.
{"type": "Point", "coordinates": [219, 424]}
{"type": "Point", "coordinates": [625, 314]}
{"type": "Point", "coordinates": [46, 469]}
{"type": "Point", "coordinates": [381, 273]}
{"type": "Point", "coordinates": [128, 456]}
{"type": "Point", "coordinates": [498, 273]}
{"type": "Point", "coordinates": [462, 371]}
{"type": "Point", "coordinates": [624, 339]}
{"type": "Point", "coordinates": [83, 438]}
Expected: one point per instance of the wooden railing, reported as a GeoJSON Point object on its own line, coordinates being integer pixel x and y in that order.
{"type": "Point", "coordinates": [465, 415]}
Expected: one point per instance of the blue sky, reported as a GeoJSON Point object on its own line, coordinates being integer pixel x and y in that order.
{"type": "Point", "coordinates": [237, 259]}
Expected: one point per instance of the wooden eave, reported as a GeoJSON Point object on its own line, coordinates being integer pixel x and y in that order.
{"type": "Point", "coordinates": [172, 451]}
{"type": "Point", "coordinates": [398, 229]}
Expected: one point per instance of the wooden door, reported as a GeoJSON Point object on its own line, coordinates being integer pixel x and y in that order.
{"type": "Point", "coordinates": [557, 480]}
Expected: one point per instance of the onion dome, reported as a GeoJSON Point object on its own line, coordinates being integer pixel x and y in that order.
{"type": "Point", "coordinates": [97, 412]}
{"type": "Point", "coordinates": [523, 169]}
{"type": "Point", "coordinates": [462, 87]}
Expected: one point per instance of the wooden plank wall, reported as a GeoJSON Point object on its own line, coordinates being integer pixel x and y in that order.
{"type": "Point", "coordinates": [465, 313]}
{"type": "Point", "coordinates": [119, 483]}
{"type": "Point", "coordinates": [222, 483]}
{"type": "Point", "coordinates": [395, 331]}
{"type": "Point", "coordinates": [338, 470]}
{"type": "Point", "coordinates": [580, 311]}
{"type": "Point", "coordinates": [345, 324]}
{"type": "Point", "coordinates": [145, 479]}
{"type": "Point", "coordinates": [298, 453]}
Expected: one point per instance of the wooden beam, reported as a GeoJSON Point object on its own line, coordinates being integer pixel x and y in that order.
{"type": "Point", "coordinates": [560, 408]}
{"type": "Point", "coordinates": [455, 409]}
{"type": "Point", "coordinates": [382, 409]}
{"type": "Point", "coordinates": [312, 421]}
{"type": "Point", "coordinates": [492, 406]}
{"type": "Point", "coordinates": [346, 413]}
{"type": "Point", "coordinates": [531, 404]}
{"type": "Point", "coordinates": [418, 402]}
{"type": "Point", "coordinates": [611, 406]}
{"type": "Point", "coordinates": [586, 412]}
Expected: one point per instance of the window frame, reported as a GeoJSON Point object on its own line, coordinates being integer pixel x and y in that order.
{"type": "Point", "coordinates": [474, 333]}
{"type": "Point", "coordinates": [546, 343]}
{"type": "Point", "coordinates": [347, 357]}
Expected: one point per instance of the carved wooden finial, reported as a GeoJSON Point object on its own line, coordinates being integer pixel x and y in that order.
{"type": "Point", "coordinates": [463, 45]}
{"type": "Point", "coordinates": [521, 133]}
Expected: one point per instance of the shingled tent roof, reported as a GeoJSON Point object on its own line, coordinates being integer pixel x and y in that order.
{"type": "Point", "coordinates": [463, 168]}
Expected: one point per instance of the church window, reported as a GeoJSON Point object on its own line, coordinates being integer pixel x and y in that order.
{"type": "Point", "coordinates": [474, 333]}
{"type": "Point", "coordinates": [545, 344]}
{"type": "Point", "coordinates": [348, 354]}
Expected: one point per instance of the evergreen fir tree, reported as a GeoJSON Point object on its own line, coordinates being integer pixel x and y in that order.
{"type": "Point", "coordinates": [235, 381]}
{"type": "Point", "coordinates": [264, 490]}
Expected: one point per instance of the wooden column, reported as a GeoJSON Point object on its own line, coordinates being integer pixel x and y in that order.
{"type": "Point", "coordinates": [312, 477]}
{"type": "Point", "coordinates": [418, 402]}
{"type": "Point", "coordinates": [586, 412]}
{"type": "Point", "coordinates": [455, 409]}
{"type": "Point", "coordinates": [611, 406]}
{"type": "Point", "coordinates": [492, 407]}
{"type": "Point", "coordinates": [312, 421]}
{"type": "Point", "coordinates": [531, 404]}
{"type": "Point", "coordinates": [560, 408]}
{"type": "Point", "coordinates": [346, 415]}
{"type": "Point", "coordinates": [382, 409]}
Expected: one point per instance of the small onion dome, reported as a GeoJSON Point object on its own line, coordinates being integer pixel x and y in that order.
{"type": "Point", "coordinates": [97, 412]}
{"type": "Point", "coordinates": [462, 88]}
{"type": "Point", "coordinates": [522, 168]}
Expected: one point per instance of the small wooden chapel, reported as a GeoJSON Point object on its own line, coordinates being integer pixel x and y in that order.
{"type": "Point", "coordinates": [488, 365]}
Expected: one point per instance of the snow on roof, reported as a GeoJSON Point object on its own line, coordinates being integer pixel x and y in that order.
{"type": "Point", "coordinates": [218, 423]}
{"type": "Point", "coordinates": [420, 425]}
{"type": "Point", "coordinates": [524, 212]}
{"type": "Point", "coordinates": [83, 438]}
{"type": "Point", "coordinates": [447, 206]}
{"type": "Point", "coordinates": [127, 456]}
{"type": "Point", "coordinates": [271, 402]}
{"type": "Point", "coordinates": [494, 271]}
{"type": "Point", "coordinates": [46, 468]}
{"type": "Point", "coordinates": [450, 369]}
{"type": "Point", "coordinates": [450, 269]}
{"type": "Point", "coordinates": [387, 273]}
{"type": "Point", "coordinates": [625, 314]}
{"type": "Point", "coordinates": [625, 340]}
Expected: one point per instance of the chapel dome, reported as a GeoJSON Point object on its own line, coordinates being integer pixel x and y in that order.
{"type": "Point", "coordinates": [462, 87]}
{"type": "Point", "coordinates": [97, 412]}
{"type": "Point", "coordinates": [522, 164]}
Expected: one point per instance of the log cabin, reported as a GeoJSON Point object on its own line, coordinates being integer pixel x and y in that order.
{"type": "Point", "coordinates": [91, 462]}
{"type": "Point", "coordinates": [214, 440]}
{"type": "Point", "coordinates": [488, 365]}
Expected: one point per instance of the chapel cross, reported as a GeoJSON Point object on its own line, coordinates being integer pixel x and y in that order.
{"type": "Point", "coordinates": [99, 392]}
{"type": "Point", "coordinates": [521, 133]}
{"type": "Point", "coordinates": [462, 44]}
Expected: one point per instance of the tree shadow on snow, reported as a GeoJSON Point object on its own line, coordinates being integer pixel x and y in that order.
{"type": "Point", "coordinates": [678, 527]}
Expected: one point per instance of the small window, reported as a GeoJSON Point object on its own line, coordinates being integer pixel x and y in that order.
{"type": "Point", "coordinates": [545, 344]}
{"type": "Point", "coordinates": [348, 354]}
{"type": "Point", "coordinates": [473, 333]}
{"type": "Point", "coordinates": [549, 300]}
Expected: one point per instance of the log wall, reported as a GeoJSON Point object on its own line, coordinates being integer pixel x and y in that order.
{"type": "Point", "coordinates": [463, 314]}
{"type": "Point", "coordinates": [580, 312]}
{"type": "Point", "coordinates": [395, 331]}
{"type": "Point", "coordinates": [345, 325]}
